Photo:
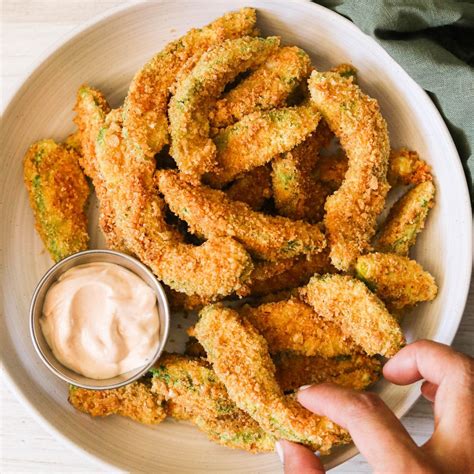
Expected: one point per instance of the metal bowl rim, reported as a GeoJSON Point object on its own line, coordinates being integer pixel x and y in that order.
{"type": "Point", "coordinates": [158, 290]}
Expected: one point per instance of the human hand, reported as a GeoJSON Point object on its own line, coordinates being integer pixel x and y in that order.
{"type": "Point", "coordinates": [379, 435]}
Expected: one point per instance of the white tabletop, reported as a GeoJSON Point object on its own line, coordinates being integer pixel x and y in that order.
{"type": "Point", "coordinates": [28, 28]}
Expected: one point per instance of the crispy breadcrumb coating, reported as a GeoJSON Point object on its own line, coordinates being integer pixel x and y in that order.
{"type": "Point", "coordinates": [191, 146]}
{"type": "Point", "coordinates": [216, 268]}
{"type": "Point", "coordinates": [352, 210]}
{"type": "Point", "coordinates": [296, 192]}
{"type": "Point", "coordinates": [360, 314]}
{"type": "Point", "coordinates": [145, 108]}
{"type": "Point", "coordinates": [58, 193]}
{"type": "Point", "coordinates": [253, 188]}
{"type": "Point", "coordinates": [267, 278]}
{"type": "Point", "coordinates": [292, 325]}
{"type": "Point", "coordinates": [346, 70]}
{"type": "Point", "coordinates": [265, 271]}
{"type": "Point", "coordinates": [292, 180]}
{"type": "Point", "coordinates": [396, 280]}
{"type": "Point", "coordinates": [74, 141]}
{"type": "Point", "coordinates": [185, 389]}
{"type": "Point", "coordinates": [210, 213]}
{"type": "Point", "coordinates": [279, 296]}
{"type": "Point", "coordinates": [193, 392]}
{"type": "Point", "coordinates": [272, 277]}
{"type": "Point", "coordinates": [406, 220]}
{"type": "Point", "coordinates": [265, 88]}
{"type": "Point", "coordinates": [182, 302]}
{"type": "Point", "coordinates": [239, 356]}
{"type": "Point", "coordinates": [91, 110]}
{"type": "Point", "coordinates": [135, 400]}
{"type": "Point", "coordinates": [356, 371]}
{"type": "Point", "coordinates": [264, 277]}
{"type": "Point", "coordinates": [258, 138]}
{"type": "Point", "coordinates": [331, 169]}
{"type": "Point", "coordinates": [406, 167]}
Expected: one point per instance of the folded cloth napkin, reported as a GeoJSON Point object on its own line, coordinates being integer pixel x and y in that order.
{"type": "Point", "coordinates": [433, 40]}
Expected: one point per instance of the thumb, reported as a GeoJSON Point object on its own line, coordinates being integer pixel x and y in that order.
{"type": "Point", "coordinates": [298, 459]}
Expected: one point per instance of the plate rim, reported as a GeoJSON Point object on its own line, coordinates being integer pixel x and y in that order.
{"type": "Point", "coordinates": [63, 42]}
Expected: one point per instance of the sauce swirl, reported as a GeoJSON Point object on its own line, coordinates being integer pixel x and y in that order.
{"type": "Point", "coordinates": [101, 320]}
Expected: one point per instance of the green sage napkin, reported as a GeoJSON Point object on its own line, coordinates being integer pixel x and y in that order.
{"type": "Point", "coordinates": [433, 40]}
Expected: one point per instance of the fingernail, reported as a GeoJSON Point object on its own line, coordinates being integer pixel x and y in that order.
{"type": "Point", "coordinates": [303, 387]}
{"type": "Point", "coordinates": [279, 451]}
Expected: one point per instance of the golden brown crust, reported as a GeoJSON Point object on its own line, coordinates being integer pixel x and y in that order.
{"type": "Point", "coordinates": [186, 389]}
{"type": "Point", "coordinates": [406, 220]}
{"type": "Point", "coordinates": [265, 272]}
{"type": "Point", "coordinates": [210, 213]}
{"type": "Point", "coordinates": [240, 358]}
{"type": "Point", "coordinates": [58, 193]}
{"type": "Point", "coordinates": [91, 110]}
{"type": "Point", "coordinates": [216, 268]}
{"type": "Point", "coordinates": [331, 169]}
{"type": "Point", "coordinates": [406, 167]}
{"type": "Point", "coordinates": [356, 371]}
{"type": "Point", "coordinates": [74, 141]}
{"type": "Point", "coordinates": [346, 70]}
{"type": "Point", "coordinates": [273, 277]}
{"type": "Point", "coordinates": [182, 302]}
{"type": "Point", "coordinates": [396, 280]}
{"type": "Point", "coordinates": [278, 296]}
{"type": "Point", "coordinates": [265, 88]}
{"type": "Point", "coordinates": [352, 210]}
{"type": "Point", "coordinates": [296, 192]}
{"type": "Point", "coordinates": [253, 188]}
{"type": "Point", "coordinates": [292, 325]}
{"type": "Point", "coordinates": [266, 279]}
{"type": "Point", "coordinates": [194, 393]}
{"type": "Point", "coordinates": [191, 145]}
{"type": "Point", "coordinates": [359, 313]}
{"type": "Point", "coordinates": [145, 108]}
{"type": "Point", "coordinates": [258, 138]}
{"type": "Point", "coordinates": [135, 401]}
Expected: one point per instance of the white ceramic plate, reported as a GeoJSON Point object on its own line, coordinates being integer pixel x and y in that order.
{"type": "Point", "coordinates": [106, 53]}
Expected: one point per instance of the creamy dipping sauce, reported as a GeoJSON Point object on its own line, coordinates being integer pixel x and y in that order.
{"type": "Point", "coordinates": [101, 320]}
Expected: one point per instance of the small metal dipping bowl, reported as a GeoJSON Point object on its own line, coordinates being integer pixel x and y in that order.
{"type": "Point", "coordinates": [36, 309]}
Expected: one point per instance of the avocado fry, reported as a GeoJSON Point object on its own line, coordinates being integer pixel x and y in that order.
{"type": "Point", "coordinates": [58, 193]}
{"type": "Point", "coordinates": [395, 279]}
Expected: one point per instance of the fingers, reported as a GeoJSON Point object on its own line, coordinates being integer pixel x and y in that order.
{"type": "Point", "coordinates": [449, 383]}
{"type": "Point", "coordinates": [298, 459]}
{"type": "Point", "coordinates": [429, 390]}
{"type": "Point", "coordinates": [374, 428]}
{"type": "Point", "coordinates": [444, 368]}
{"type": "Point", "coordinates": [423, 360]}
